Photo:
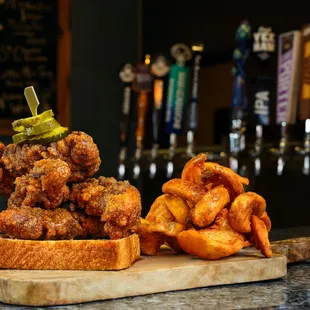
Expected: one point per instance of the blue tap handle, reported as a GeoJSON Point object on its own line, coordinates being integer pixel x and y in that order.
{"type": "Point", "coordinates": [240, 55]}
{"type": "Point", "coordinates": [177, 97]}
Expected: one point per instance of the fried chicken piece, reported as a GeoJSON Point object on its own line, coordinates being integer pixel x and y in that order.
{"type": "Point", "coordinates": [44, 186]}
{"type": "Point", "coordinates": [19, 159]}
{"type": "Point", "coordinates": [215, 242]}
{"type": "Point", "coordinates": [209, 206]}
{"type": "Point", "coordinates": [36, 223]}
{"type": "Point", "coordinates": [6, 178]}
{"type": "Point", "coordinates": [80, 152]}
{"type": "Point", "coordinates": [2, 147]}
{"type": "Point", "coordinates": [57, 224]}
{"type": "Point", "coordinates": [6, 182]}
{"type": "Point", "coordinates": [186, 190]}
{"type": "Point", "coordinates": [118, 204]}
{"type": "Point", "coordinates": [77, 149]}
{"type": "Point", "coordinates": [91, 225]}
{"type": "Point", "coordinates": [82, 194]}
{"type": "Point", "coordinates": [242, 208]}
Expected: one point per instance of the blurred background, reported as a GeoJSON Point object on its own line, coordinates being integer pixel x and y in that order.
{"type": "Point", "coordinates": [73, 52]}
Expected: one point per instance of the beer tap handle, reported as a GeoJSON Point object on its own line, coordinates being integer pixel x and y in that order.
{"type": "Point", "coordinates": [176, 98]}
{"type": "Point", "coordinates": [126, 75]}
{"type": "Point", "coordinates": [197, 50]}
{"type": "Point", "coordinates": [142, 85]}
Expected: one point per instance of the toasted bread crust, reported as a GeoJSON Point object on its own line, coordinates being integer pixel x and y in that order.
{"type": "Point", "coordinates": [69, 254]}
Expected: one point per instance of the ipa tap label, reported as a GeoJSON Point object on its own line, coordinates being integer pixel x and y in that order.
{"type": "Point", "coordinates": [261, 106]}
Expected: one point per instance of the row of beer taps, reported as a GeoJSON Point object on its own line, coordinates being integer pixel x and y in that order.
{"type": "Point", "coordinates": [292, 91]}
{"type": "Point", "coordinates": [149, 78]}
{"type": "Point", "coordinates": [292, 88]}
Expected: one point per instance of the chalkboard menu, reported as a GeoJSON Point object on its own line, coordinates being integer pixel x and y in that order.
{"type": "Point", "coordinates": [29, 35]}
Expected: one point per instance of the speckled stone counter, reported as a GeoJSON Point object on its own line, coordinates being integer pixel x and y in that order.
{"type": "Point", "coordinates": [291, 292]}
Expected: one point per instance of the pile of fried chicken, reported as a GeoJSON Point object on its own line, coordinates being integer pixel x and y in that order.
{"type": "Point", "coordinates": [206, 213]}
{"type": "Point", "coordinates": [52, 194]}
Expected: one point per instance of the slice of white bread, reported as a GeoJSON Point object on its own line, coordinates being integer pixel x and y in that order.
{"type": "Point", "coordinates": [69, 254]}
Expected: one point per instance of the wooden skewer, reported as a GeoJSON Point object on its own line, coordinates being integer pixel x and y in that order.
{"type": "Point", "coordinates": [32, 100]}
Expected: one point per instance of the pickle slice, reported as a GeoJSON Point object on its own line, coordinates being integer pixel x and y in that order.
{"type": "Point", "coordinates": [45, 138]}
{"type": "Point", "coordinates": [20, 124]}
{"type": "Point", "coordinates": [50, 136]}
{"type": "Point", "coordinates": [19, 137]}
{"type": "Point", "coordinates": [40, 128]}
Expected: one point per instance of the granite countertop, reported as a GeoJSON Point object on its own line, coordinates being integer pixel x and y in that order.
{"type": "Point", "coordinates": [290, 292]}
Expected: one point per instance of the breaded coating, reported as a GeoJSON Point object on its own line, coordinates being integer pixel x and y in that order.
{"type": "Point", "coordinates": [117, 203]}
{"type": "Point", "coordinates": [78, 150]}
{"type": "Point", "coordinates": [6, 179]}
{"type": "Point", "coordinates": [44, 186]}
{"type": "Point", "coordinates": [57, 224]}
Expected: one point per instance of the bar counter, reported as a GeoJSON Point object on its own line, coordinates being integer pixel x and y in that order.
{"type": "Point", "coordinates": [290, 292]}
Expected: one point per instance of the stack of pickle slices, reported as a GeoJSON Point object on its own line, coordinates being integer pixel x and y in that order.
{"type": "Point", "coordinates": [40, 129]}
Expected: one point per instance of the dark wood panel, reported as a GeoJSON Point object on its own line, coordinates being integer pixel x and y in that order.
{"type": "Point", "coordinates": [34, 51]}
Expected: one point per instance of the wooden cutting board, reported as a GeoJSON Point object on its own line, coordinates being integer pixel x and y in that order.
{"type": "Point", "coordinates": [166, 272]}
{"type": "Point", "coordinates": [295, 249]}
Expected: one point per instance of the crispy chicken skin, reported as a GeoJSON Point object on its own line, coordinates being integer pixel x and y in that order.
{"type": "Point", "coordinates": [6, 182]}
{"type": "Point", "coordinates": [42, 175]}
{"type": "Point", "coordinates": [78, 150]}
{"type": "Point", "coordinates": [2, 147]}
{"type": "Point", "coordinates": [39, 224]}
{"type": "Point", "coordinates": [6, 179]}
{"type": "Point", "coordinates": [19, 159]}
{"type": "Point", "coordinates": [44, 186]}
{"type": "Point", "coordinates": [83, 194]}
{"type": "Point", "coordinates": [117, 203]}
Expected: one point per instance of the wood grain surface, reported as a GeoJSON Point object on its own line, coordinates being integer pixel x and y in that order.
{"type": "Point", "coordinates": [295, 249]}
{"type": "Point", "coordinates": [166, 272]}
